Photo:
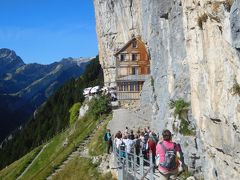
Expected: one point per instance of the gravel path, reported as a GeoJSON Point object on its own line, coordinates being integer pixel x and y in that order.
{"type": "Point", "coordinates": [133, 119]}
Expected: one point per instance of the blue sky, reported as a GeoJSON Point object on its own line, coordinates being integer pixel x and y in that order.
{"type": "Point", "coordinates": [45, 31]}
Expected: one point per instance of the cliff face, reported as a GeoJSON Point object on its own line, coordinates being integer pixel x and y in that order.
{"type": "Point", "coordinates": [194, 48]}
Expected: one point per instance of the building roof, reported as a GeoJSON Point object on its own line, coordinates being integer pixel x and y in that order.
{"type": "Point", "coordinates": [127, 44]}
{"type": "Point", "coordinates": [142, 77]}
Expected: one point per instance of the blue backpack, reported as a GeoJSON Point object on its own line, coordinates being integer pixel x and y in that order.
{"type": "Point", "coordinates": [106, 137]}
{"type": "Point", "coordinates": [122, 148]}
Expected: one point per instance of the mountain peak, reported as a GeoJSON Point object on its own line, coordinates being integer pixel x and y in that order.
{"type": "Point", "coordinates": [10, 56]}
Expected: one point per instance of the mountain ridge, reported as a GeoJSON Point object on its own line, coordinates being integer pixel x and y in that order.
{"type": "Point", "coordinates": [30, 85]}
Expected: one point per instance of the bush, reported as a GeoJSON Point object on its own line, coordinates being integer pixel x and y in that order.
{"type": "Point", "coordinates": [184, 128]}
{"type": "Point", "coordinates": [98, 106]}
{"type": "Point", "coordinates": [181, 109]}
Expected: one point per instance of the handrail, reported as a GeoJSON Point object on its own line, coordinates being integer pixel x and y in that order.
{"type": "Point", "coordinates": [146, 173]}
{"type": "Point", "coordinates": [131, 164]}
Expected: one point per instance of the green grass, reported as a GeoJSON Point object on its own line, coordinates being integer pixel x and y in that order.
{"type": "Point", "coordinates": [81, 168]}
{"type": "Point", "coordinates": [16, 168]}
{"type": "Point", "coordinates": [98, 146]}
{"type": "Point", "coordinates": [74, 112]}
{"type": "Point", "coordinates": [55, 153]}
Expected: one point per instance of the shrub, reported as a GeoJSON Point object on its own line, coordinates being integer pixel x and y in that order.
{"type": "Point", "coordinates": [202, 19]}
{"type": "Point", "coordinates": [184, 128]}
{"type": "Point", "coordinates": [98, 106]}
{"type": "Point", "coordinates": [181, 109]}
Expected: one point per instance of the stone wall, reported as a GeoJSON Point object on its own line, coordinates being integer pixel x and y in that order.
{"type": "Point", "coordinates": [194, 48]}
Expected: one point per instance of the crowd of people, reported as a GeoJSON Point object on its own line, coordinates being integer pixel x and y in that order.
{"type": "Point", "coordinates": [166, 155]}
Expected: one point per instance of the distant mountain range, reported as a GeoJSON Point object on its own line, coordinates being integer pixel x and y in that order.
{"type": "Point", "coordinates": [24, 87]}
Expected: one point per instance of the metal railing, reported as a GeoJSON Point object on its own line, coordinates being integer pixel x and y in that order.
{"type": "Point", "coordinates": [128, 95]}
{"type": "Point", "coordinates": [132, 166]}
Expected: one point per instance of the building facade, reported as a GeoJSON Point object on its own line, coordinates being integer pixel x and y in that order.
{"type": "Point", "coordinates": [133, 68]}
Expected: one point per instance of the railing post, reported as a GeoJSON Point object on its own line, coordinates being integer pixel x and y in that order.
{"type": "Point", "coordinates": [126, 156]}
{"type": "Point", "coordinates": [151, 165]}
{"type": "Point", "coordinates": [116, 163]}
{"type": "Point", "coordinates": [141, 167]}
{"type": "Point", "coordinates": [120, 165]}
{"type": "Point", "coordinates": [134, 163]}
{"type": "Point", "coordinates": [120, 172]}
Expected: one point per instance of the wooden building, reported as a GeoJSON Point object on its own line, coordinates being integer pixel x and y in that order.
{"type": "Point", "coordinates": [133, 68]}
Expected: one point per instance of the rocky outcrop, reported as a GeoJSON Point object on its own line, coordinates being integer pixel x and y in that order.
{"type": "Point", "coordinates": [194, 56]}
{"type": "Point", "coordinates": [9, 61]}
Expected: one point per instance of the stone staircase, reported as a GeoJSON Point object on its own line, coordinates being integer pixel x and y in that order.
{"type": "Point", "coordinates": [81, 151]}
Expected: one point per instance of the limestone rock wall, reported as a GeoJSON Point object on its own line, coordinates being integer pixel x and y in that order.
{"type": "Point", "coordinates": [194, 49]}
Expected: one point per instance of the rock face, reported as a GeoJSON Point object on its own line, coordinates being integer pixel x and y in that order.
{"type": "Point", "coordinates": [194, 56]}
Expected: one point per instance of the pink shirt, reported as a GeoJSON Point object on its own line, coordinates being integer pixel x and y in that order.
{"type": "Point", "coordinates": [160, 151]}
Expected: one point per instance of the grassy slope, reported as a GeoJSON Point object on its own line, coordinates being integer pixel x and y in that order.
{"type": "Point", "coordinates": [53, 155]}
{"type": "Point", "coordinates": [81, 168]}
{"type": "Point", "coordinates": [98, 146]}
{"type": "Point", "coordinates": [56, 153]}
{"type": "Point", "coordinates": [16, 168]}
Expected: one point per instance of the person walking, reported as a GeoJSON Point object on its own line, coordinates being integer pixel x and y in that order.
{"type": "Point", "coordinates": [108, 139]}
{"type": "Point", "coordinates": [168, 162]}
{"type": "Point", "coordinates": [152, 148]}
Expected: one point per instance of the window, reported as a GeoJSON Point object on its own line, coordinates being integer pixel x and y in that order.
{"type": "Point", "coordinates": [134, 56]}
{"type": "Point", "coordinates": [122, 57]}
{"type": "Point", "coordinates": [134, 44]}
{"type": "Point", "coordinates": [134, 70]}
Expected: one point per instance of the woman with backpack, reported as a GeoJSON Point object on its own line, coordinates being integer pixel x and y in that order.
{"type": "Point", "coordinates": [108, 139]}
{"type": "Point", "coordinates": [167, 160]}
